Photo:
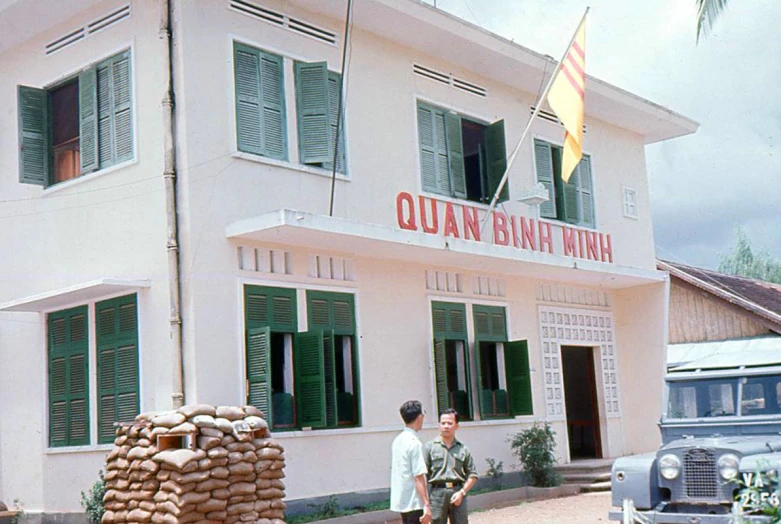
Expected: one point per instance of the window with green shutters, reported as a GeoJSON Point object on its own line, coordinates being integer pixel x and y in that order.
{"type": "Point", "coordinates": [502, 368]}
{"type": "Point", "coordinates": [327, 383]}
{"type": "Point", "coordinates": [260, 102]}
{"type": "Point", "coordinates": [317, 103]}
{"type": "Point", "coordinates": [519, 389]}
{"type": "Point", "coordinates": [572, 201]}
{"type": "Point", "coordinates": [451, 358]}
{"type": "Point", "coordinates": [270, 318]}
{"type": "Point", "coordinates": [460, 157]}
{"type": "Point", "coordinates": [68, 344]}
{"type": "Point", "coordinates": [79, 126]}
{"type": "Point", "coordinates": [116, 327]}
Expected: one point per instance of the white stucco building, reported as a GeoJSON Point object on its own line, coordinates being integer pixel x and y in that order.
{"type": "Point", "coordinates": [328, 321]}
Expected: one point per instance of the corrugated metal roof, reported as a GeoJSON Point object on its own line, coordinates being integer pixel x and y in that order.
{"type": "Point", "coordinates": [748, 352]}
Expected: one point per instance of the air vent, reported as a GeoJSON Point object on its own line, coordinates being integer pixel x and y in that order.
{"type": "Point", "coordinates": [444, 78]}
{"type": "Point", "coordinates": [96, 26]}
{"type": "Point", "coordinates": [282, 20]}
{"type": "Point", "coordinates": [552, 118]}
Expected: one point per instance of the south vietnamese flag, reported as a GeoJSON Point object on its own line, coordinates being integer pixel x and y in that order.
{"type": "Point", "coordinates": [566, 99]}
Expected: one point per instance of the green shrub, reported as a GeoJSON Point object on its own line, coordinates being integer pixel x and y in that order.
{"type": "Point", "coordinates": [495, 471]}
{"type": "Point", "coordinates": [92, 500]}
{"type": "Point", "coordinates": [534, 448]}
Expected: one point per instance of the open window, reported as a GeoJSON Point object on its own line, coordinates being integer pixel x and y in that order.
{"type": "Point", "coordinates": [317, 103]}
{"type": "Point", "coordinates": [459, 156]}
{"type": "Point", "coordinates": [78, 126]}
{"type": "Point", "coordinates": [571, 201]}
{"type": "Point", "coordinates": [270, 319]}
{"type": "Point", "coordinates": [504, 388]}
{"type": "Point", "coordinates": [451, 358]}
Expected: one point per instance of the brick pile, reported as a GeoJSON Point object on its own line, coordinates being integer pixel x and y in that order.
{"type": "Point", "coordinates": [232, 470]}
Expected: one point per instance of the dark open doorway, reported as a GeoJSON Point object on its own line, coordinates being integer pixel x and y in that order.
{"type": "Point", "coordinates": [580, 397]}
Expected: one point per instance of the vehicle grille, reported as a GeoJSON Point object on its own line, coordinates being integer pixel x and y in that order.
{"type": "Point", "coordinates": [699, 473]}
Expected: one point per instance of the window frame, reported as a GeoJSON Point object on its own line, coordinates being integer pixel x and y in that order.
{"type": "Point", "coordinates": [93, 442]}
{"type": "Point", "coordinates": [292, 157]}
{"type": "Point", "coordinates": [301, 310]}
{"type": "Point", "coordinates": [556, 192]}
{"type": "Point", "coordinates": [625, 197]}
{"type": "Point", "coordinates": [485, 168]}
{"type": "Point", "coordinates": [47, 183]}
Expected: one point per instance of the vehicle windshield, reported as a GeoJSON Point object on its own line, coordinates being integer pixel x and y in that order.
{"type": "Point", "coordinates": [702, 398]}
{"type": "Point", "coordinates": [761, 395]}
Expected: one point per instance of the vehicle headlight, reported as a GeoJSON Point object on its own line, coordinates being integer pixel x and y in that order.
{"type": "Point", "coordinates": [728, 466]}
{"type": "Point", "coordinates": [670, 467]}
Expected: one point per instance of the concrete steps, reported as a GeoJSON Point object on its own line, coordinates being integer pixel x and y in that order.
{"type": "Point", "coordinates": [590, 476]}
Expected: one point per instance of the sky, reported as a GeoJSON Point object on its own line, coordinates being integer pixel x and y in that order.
{"type": "Point", "coordinates": [726, 175]}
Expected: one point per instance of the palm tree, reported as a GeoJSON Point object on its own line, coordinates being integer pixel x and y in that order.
{"type": "Point", "coordinates": [708, 12]}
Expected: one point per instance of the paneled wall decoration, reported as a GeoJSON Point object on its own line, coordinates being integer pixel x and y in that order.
{"type": "Point", "coordinates": [578, 327]}
{"type": "Point", "coordinates": [561, 294]}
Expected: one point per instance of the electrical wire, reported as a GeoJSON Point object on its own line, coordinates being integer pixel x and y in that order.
{"type": "Point", "coordinates": [340, 109]}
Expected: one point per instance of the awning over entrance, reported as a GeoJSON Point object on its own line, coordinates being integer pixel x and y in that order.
{"type": "Point", "coordinates": [725, 354]}
{"type": "Point", "coordinates": [83, 292]}
{"type": "Point", "coordinates": [297, 228]}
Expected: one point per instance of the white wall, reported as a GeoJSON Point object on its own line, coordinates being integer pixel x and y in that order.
{"type": "Point", "coordinates": [108, 224]}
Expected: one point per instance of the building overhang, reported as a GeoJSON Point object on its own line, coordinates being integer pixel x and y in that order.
{"type": "Point", "coordinates": [78, 293]}
{"type": "Point", "coordinates": [418, 25]}
{"type": "Point", "coordinates": [289, 227]}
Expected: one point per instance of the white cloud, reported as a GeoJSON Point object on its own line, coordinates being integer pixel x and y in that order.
{"type": "Point", "coordinates": [727, 174]}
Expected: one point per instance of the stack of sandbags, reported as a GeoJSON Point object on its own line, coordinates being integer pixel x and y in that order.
{"type": "Point", "coordinates": [233, 474]}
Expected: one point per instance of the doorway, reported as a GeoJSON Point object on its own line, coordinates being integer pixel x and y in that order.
{"type": "Point", "coordinates": [580, 399]}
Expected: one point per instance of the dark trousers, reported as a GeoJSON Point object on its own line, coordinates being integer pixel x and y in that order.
{"type": "Point", "coordinates": [412, 517]}
{"type": "Point", "coordinates": [441, 508]}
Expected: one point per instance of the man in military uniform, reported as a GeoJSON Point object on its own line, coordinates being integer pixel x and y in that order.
{"type": "Point", "coordinates": [451, 472]}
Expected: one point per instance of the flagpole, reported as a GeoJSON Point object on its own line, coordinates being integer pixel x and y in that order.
{"type": "Point", "coordinates": [537, 107]}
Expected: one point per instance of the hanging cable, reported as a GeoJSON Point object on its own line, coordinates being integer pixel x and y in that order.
{"type": "Point", "coordinates": [339, 110]}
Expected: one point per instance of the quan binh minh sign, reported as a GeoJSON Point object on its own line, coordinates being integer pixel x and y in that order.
{"type": "Point", "coordinates": [462, 221]}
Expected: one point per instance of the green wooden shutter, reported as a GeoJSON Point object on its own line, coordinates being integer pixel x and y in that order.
{"type": "Point", "coordinates": [118, 379]}
{"type": "Point", "coordinates": [273, 101]}
{"type": "Point", "coordinates": [331, 311]}
{"type": "Point", "coordinates": [483, 393]}
{"type": "Point", "coordinates": [449, 320]}
{"type": "Point", "coordinates": [455, 155]}
{"type": "Point", "coordinates": [310, 379]}
{"type": "Point", "coordinates": [33, 135]}
{"type": "Point", "coordinates": [105, 114]}
{"type": "Point", "coordinates": [314, 117]}
{"type": "Point", "coordinates": [121, 107]}
{"type": "Point", "coordinates": [440, 375]}
{"type": "Point", "coordinates": [570, 210]}
{"type": "Point", "coordinates": [246, 61]}
{"type": "Point", "coordinates": [434, 168]}
{"type": "Point", "coordinates": [496, 159]}
{"type": "Point", "coordinates": [329, 370]}
{"type": "Point", "coordinates": [516, 365]}
{"type": "Point", "coordinates": [544, 165]}
{"type": "Point", "coordinates": [270, 307]}
{"type": "Point", "coordinates": [258, 348]}
{"type": "Point", "coordinates": [490, 326]}
{"type": "Point", "coordinates": [88, 121]}
{"type": "Point", "coordinates": [428, 150]}
{"type": "Point", "coordinates": [68, 378]}
{"type": "Point", "coordinates": [585, 192]}
{"type": "Point", "coordinates": [334, 80]}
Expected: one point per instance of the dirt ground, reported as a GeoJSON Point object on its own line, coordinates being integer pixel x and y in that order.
{"type": "Point", "coordinates": [588, 508]}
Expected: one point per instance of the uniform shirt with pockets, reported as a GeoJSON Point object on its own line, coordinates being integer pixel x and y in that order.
{"type": "Point", "coordinates": [454, 464]}
{"type": "Point", "coordinates": [406, 463]}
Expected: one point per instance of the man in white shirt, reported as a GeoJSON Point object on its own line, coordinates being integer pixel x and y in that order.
{"type": "Point", "coordinates": [409, 495]}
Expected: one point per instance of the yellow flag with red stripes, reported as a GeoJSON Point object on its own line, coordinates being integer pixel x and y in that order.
{"type": "Point", "coordinates": [566, 98]}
